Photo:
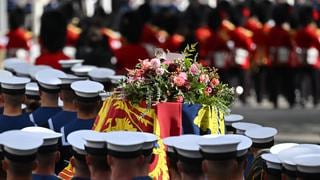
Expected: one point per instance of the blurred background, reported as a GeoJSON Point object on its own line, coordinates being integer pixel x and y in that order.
{"type": "Point", "coordinates": [268, 50]}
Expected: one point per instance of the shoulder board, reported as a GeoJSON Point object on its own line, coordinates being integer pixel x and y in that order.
{"type": "Point", "coordinates": [228, 25]}
{"type": "Point", "coordinates": [246, 32]}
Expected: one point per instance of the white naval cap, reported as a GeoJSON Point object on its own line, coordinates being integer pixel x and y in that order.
{"type": "Point", "coordinates": [232, 118]}
{"type": "Point", "coordinates": [4, 74]}
{"type": "Point", "coordinates": [104, 95]}
{"type": "Point", "coordinates": [219, 148]}
{"type": "Point", "coordinates": [22, 69]}
{"type": "Point", "coordinates": [170, 142]}
{"type": "Point", "coordinates": [308, 166]}
{"type": "Point", "coordinates": [20, 146]}
{"type": "Point", "coordinates": [275, 149]}
{"type": "Point", "coordinates": [32, 90]}
{"type": "Point", "coordinates": [10, 63]}
{"type": "Point", "coordinates": [124, 144]}
{"type": "Point", "coordinates": [262, 137]}
{"type": "Point", "coordinates": [35, 69]}
{"type": "Point", "coordinates": [77, 141]}
{"type": "Point", "coordinates": [69, 79]}
{"type": "Point", "coordinates": [242, 127]}
{"type": "Point", "coordinates": [243, 146]}
{"type": "Point", "coordinates": [150, 140]}
{"type": "Point", "coordinates": [272, 162]}
{"type": "Point", "coordinates": [14, 85]}
{"type": "Point", "coordinates": [50, 138]}
{"type": "Point", "coordinates": [82, 70]}
{"type": "Point", "coordinates": [49, 81]}
{"type": "Point", "coordinates": [87, 88]}
{"type": "Point", "coordinates": [68, 63]}
{"type": "Point", "coordinates": [187, 147]}
{"type": "Point", "coordinates": [96, 143]}
{"type": "Point", "coordinates": [101, 74]}
{"type": "Point", "coordinates": [115, 79]}
{"type": "Point", "coordinates": [287, 155]}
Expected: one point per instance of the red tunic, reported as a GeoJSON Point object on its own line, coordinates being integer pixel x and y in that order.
{"type": "Point", "coordinates": [306, 38]}
{"type": "Point", "coordinates": [128, 56]}
{"type": "Point", "coordinates": [18, 39]}
{"type": "Point", "coordinates": [279, 38]}
{"type": "Point", "coordinates": [242, 40]}
{"type": "Point", "coordinates": [173, 43]}
{"type": "Point", "coordinates": [73, 34]}
{"type": "Point", "coordinates": [51, 59]}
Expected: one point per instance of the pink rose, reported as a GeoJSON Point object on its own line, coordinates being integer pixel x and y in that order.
{"type": "Point", "coordinates": [183, 75]}
{"type": "Point", "coordinates": [194, 69]}
{"type": "Point", "coordinates": [155, 63]}
{"type": "Point", "coordinates": [139, 73]}
{"type": "Point", "coordinates": [180, 99]}
{"type": "Point", "coordinates": [215, 81]}
{"type": "Point", "coordinates": [204, 78]}
{"type": "Point", "coordinates": [208, 91]}
{"type": "Point", "coordinates": [167, 62]}
{"type": "Point", "coordinates": [160, 71]}
{"type": "Point", "coordinates": [146, 64]}
{"type": "Point", "coordinates": [179, 81]}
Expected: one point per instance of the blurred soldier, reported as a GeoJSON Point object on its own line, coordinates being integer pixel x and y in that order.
{"type": "Point", "coordinates": [52, 39]}
{"type": "Point", "coordinates": [49, 85]}
{"type": "Point", "coordinates": [13, 90]}
{"type": "Point", "coordinates": [125, 155]}
{"type": "Point", "coordinates": [18, 37]}
{"type": "Point", "coordinates": [241, 52]}
{"type": "Point", "coordinates": [20, 150]}
{"type": "Point", "coordinates": [280, 48]}
{"type": "Point", "coordinates": [308, 46]}
{"type": "Point", "coordinates": [48, 153]}
{"type": "Point", "coordinates": [189, 157]}
{"type": "Point", "coordinates": [172, 157]}
{"type": "Point", "coordinates": [260, 60]}
{"type": "Point", "coordinates": [3, 75]}
{"type": "Point", "coordinates": [96, 158]}
{"type": "Point", "coordinates": [127, 56]}
{"type": "Point", "coordinates": [78, 160]}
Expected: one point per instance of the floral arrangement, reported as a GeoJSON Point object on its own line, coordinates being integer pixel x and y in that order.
{"type": "Point", "coordinates": [176, 77]}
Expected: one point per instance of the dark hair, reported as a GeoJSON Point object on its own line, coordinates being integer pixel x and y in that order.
{"type": "Point", "coordinates": [99, 163]}
{"type": "Point", "coordinates": [20, 168]}
{"type": "Point", "coordinates": [305, 15]}
{"type": "Point", "coordinates": [53, 31]}
{"type": "Point", "coordinates": [131, 26]}
{"type": "Point", "coordinates": [16, 18]}
{"type": "Point", "coordinates": [13, 100]}
{"type": "Point", "coordinates": [280, 13]}
{"type": "Point", "coordinates": [87, 107]}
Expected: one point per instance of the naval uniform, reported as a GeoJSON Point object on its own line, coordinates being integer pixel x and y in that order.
{"type": "Point", "coordinates": [60, 119]}
{"type": "Point", "coordinates": [41, 115]}
{"type": "Point", "coordinates": [14, 122]}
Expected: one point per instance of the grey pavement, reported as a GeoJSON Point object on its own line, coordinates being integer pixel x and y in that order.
{"type": "Point", "coordinates": [299, 124]}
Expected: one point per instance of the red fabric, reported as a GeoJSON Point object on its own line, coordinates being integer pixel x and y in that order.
{"type": "Point", "coordinates": [307, 38]}
{"type": "Point", "coordinates": [202, 34]}
{"type": "Point", "coordinates": [241, 40]}
{"type": "Point", "coordinates": [18, 38]}
{"type": "Point", "coordinates": [170, 118]}
{"type": "Point", "coordinates": [149, 35]}
{"type": "Point", "coordinates": [72, 35]}
{"type": "Point", "coordinates": [51, 59]}
{"type": "Point", "coordinates": [260, 38]}
{"type": "Point", "coordinates": [173, 43]}
{"type": "Point", "coordinates": [128, 56]}
{"type": "Point", "coordinates": [280, 37]}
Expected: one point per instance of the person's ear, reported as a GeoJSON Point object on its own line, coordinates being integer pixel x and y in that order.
{"type": "Point", "coordinates": [72, 162]}
{"type": "Point", "coordinates": [109, 160]}
{"type": "Point", "coordinates": [34, 165]}
{"type": "Point", "coordinates": [57, 156]}
{"type": "Point", "coordinates": [205, 166]}
{"type": "Point", "coordinates": [152, 158]}
{"type": "Point", "coordinates": [88, 160]}
{"type": "Point", "coordinates": [180, 167]}
{"type": "Point", "coordinates": [5, 165]}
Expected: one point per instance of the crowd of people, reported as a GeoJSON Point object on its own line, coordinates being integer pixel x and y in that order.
{"type": "Point", "coordinates": [271, 48]}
